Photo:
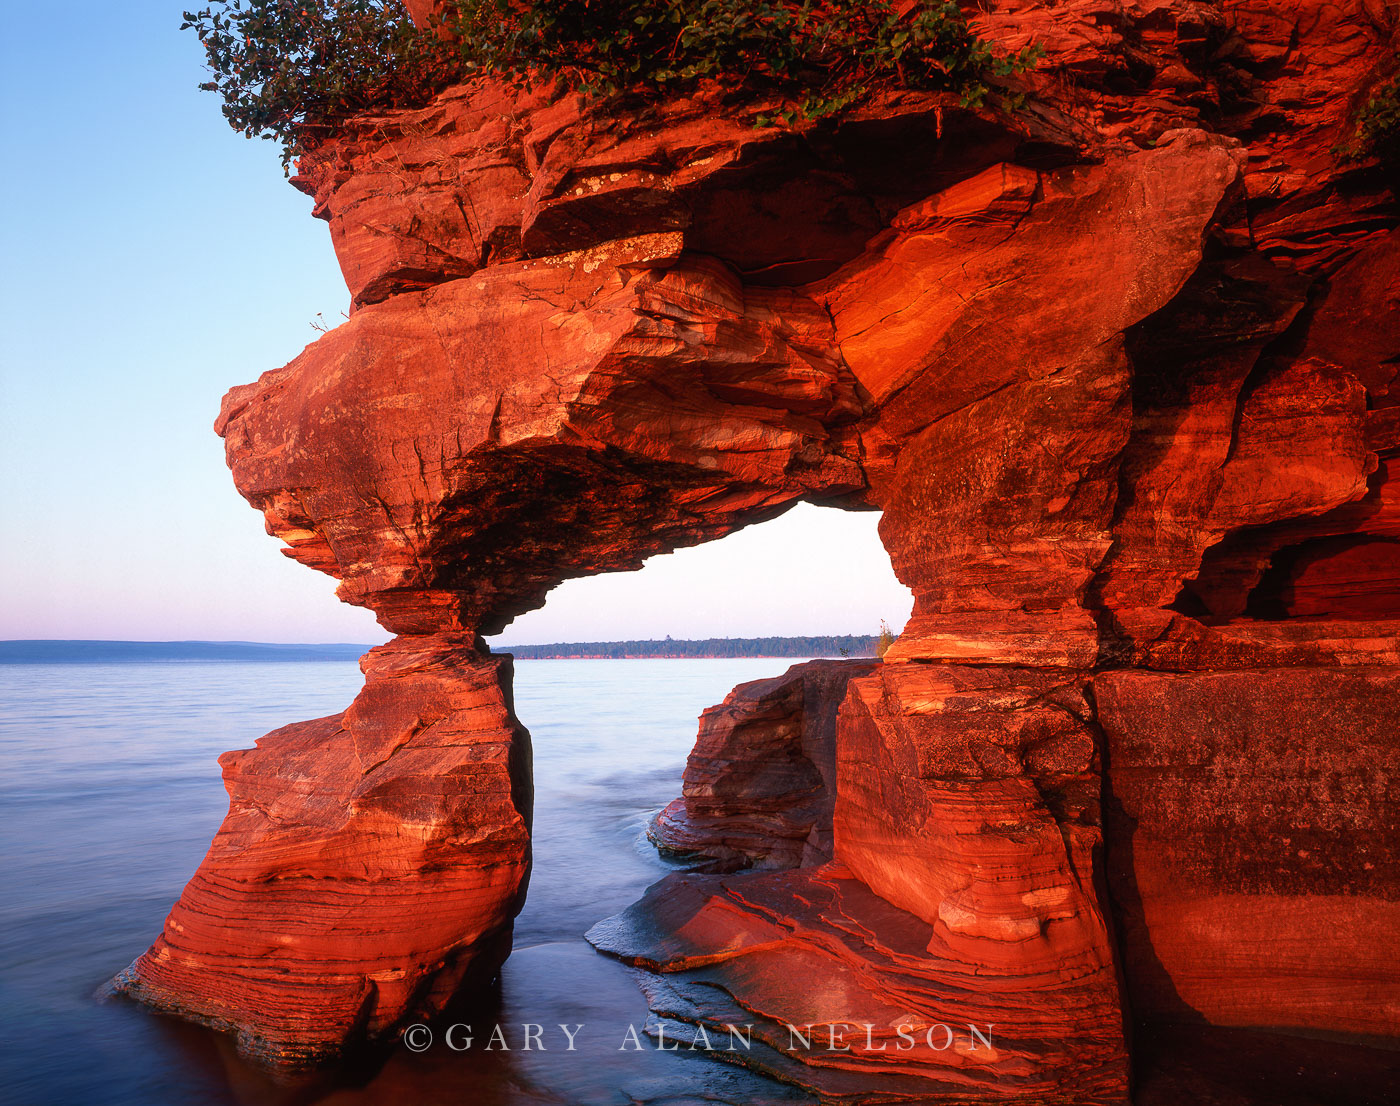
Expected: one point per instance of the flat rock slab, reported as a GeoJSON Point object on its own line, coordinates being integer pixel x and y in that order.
{"type": "Point", "coordinates": [840, 996]}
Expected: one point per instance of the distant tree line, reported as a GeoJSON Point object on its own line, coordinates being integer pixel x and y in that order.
{"type": "Point", "coordinates": [835, 645]}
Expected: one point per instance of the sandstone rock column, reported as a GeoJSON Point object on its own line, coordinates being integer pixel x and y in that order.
{"type": "Point", "coordinates": [760, 783]}
{"type": "Point", "coordinates": [370, 862]}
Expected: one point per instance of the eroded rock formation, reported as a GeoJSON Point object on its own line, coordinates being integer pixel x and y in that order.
{"type": "Point", "coordinates": [1289, 775]}
{"type": "Point", "coordinates": [1117, 370]}
{"type": "Point", "coordinates": [760, 785]}
{"type": "Point", "coordinates": [334, 899]}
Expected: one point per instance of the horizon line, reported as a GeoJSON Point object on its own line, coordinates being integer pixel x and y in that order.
{"type": "Point", "coordinates": [368, 645]}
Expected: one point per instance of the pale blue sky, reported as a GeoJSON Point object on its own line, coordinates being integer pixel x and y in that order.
{"type": "Point", "coordinates": [152, 259]}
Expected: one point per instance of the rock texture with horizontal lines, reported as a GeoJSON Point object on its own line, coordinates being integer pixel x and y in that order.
{"type": "Point", "coordinates": [370, 864]}
{"type": "Point", "coordinates": [760, 785]}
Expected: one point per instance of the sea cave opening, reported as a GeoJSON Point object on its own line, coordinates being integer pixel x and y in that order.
{"type": "Point", "coordinates": [611, 739]}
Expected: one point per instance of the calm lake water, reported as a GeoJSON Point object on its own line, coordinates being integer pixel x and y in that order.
{"type": "Point", "coordinates": [109, 794]}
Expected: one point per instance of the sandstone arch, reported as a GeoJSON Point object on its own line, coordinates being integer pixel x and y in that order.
{"type": "Point", "coordinates": [1075, 362]}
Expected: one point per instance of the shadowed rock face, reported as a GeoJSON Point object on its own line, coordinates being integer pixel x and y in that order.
{"type": "Point", "coordinates": [1118, 372]}
{"type": "Point", "coordinates": [760, 786]}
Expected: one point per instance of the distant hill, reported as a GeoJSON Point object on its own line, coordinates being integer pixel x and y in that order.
{"type": "Point", "coordinates": [128, 652]}
{"type": "Point", "coordinates": [852, 645]}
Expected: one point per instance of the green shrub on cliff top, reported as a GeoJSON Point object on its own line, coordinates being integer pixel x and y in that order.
{"type": "Point", "coordinates": [1378, 123]}
{"type": "Point", "coordinates": [292, 70]}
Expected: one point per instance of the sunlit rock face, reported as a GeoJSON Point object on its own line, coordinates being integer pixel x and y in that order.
{"type": "Point", "coordinates": [1118, 372]}
{"type": "Point", "coordinates": [334, 898]}
{"type": "Point", "coordinates": [454, 453]}
{"type": "Point", "coordinates": [1288, 775]}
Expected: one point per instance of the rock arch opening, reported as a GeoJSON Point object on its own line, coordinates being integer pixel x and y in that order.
{"type": "Point", "coordinates": [812, 571]}
{"type": "Point", "coordinates": [759, 785]}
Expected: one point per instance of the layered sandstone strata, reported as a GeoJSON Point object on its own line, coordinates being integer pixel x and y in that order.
{"type": "Point", "coordinates": [844, 993]}
{"type": "Point", "coordinates": [1118, 371]}
{"type": "Point", "coordinates": [370, 863]}
{"type": "Point", "coordinates": [760, 785]}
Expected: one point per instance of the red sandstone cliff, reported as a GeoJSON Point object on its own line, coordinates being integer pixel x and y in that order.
{"type": "Point", "coordinates": [1118, 372]}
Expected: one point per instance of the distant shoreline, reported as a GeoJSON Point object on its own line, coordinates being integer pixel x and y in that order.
{"type": "Point", "coordinates": [723, 648]}
{"type": "Point", "coordinates": [83, 651]}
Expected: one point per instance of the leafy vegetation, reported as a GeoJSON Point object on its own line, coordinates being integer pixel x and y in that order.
{"type": "Point", "coordinates": [1378, 123]}
{"type": "Point", "coordinates": [291, 70]}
